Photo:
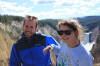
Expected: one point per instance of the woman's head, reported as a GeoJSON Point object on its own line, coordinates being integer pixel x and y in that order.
{"type": "Point", "coordinates": [68, 27]}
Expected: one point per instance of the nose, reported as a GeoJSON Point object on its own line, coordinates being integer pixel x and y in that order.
{"type": "Point", "coordinates": [28, 29]}
{"type": "Point", "coordinates": [63, 35]}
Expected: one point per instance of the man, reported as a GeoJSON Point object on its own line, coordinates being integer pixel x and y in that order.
{"type": "Point", "coordinates": [28, 50]}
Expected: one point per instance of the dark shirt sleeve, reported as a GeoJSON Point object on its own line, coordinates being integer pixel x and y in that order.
{"type": "Point", "coordinates": [14, 61]}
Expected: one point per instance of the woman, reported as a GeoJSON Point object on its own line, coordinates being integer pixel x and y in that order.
{"type": "Point", "coordinates": [71, 51]}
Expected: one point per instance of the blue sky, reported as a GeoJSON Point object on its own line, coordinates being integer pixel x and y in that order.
{"type": "Point", "coordinates": [51, 9]}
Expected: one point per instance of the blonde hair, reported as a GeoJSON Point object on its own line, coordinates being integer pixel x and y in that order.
{"type": "Point", "coordinates": [31, 18]}
{"type": "Point", "coordinates": [28, 17]}
{"type": "Point", "coordinates": [74, 25]}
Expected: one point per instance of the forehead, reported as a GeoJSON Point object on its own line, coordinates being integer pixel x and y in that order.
{"type": "Point", "coordinates": [27, 22]}
{"type": "Point", "coordinates": [64, 27]}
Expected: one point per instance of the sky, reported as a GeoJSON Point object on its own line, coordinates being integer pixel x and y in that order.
{"type": "Point", "coordinates": [51, 9]}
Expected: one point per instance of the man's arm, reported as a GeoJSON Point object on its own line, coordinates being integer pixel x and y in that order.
{"type": "Point", "coordinates": [14, 61]}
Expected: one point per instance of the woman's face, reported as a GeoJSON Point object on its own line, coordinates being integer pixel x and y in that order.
{"type": "Point", "coordinates": [68, 35]}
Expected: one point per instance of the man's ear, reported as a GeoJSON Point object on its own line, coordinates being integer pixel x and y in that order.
{"type": "Point", "coordinates": [22, 25]}
{"type": "Point", "coordinates": [37, 28]}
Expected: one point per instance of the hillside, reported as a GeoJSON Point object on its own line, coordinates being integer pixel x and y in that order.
{"type": "Point", "coordinates": [96, 48]}
{"type": "Point", "coordinates": [8, 35]}
{"type": "Point", "coordinates": [5, 47]}
{"type": "Point", "coordinates": [90, 22]}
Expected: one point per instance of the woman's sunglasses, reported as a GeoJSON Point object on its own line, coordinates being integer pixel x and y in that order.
{"type": "Point", "coordinates": [67, 32]}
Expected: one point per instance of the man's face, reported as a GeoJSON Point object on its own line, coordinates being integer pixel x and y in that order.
{"type": "Point", "coordinates": [29, 28]}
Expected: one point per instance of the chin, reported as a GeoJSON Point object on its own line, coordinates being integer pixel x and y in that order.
{"type": "Point", "coordinates": [64, 41]}
{"type": "Point", "coordinates": [28, 36]}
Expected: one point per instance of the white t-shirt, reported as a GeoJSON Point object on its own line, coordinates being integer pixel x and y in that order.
{"type": "Point", "coordinates": [77, 56]}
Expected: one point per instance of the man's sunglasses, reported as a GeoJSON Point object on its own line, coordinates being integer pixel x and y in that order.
{"type": "Point", "coordinates": [31, 17]}
{"type": "Point", "coordinates": [67, 32]}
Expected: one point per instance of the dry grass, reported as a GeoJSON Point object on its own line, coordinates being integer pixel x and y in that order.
{"type": "Point", "coordinates": [5, 48]}
{"type": "Point", "coordinates": [96, 64]}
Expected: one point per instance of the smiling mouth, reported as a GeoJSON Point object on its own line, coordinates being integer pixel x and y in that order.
{"type": "Point", "coordinates": [65, 38]}
{"type": "Point", "coordinates": [28, 32]}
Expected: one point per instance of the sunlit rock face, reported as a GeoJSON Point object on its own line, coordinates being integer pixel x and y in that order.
{"type": "Point", "coordinates": [96, 50]}
{"type": "Point", "coordinates": [96, 47]}
{"type": "Point", "coordinates": [95, 33]}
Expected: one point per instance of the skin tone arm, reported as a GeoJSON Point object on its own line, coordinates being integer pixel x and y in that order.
{"type": "Point", "coordinates": [53, 57]}
{"type": "Point", "coordinates": [46, 49]}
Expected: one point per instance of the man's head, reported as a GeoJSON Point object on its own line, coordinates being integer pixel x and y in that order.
{"type": "Point", "coordinates": [30, 26]}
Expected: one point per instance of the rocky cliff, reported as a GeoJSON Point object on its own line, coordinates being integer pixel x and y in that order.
{"type": "Point", "coordinates": [96, 48]}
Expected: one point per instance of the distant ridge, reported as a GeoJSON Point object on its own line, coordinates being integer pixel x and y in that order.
{"type": "Point", "coordinates": [89, 22]}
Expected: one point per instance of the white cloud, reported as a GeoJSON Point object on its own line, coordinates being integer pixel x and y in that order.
{"type": "Point", "coordinates": [56, 13]}
{"type": "Point", "coordinates": [71, 3]}
{"type": "Point", "coordinates": [42, 2]}
{"type": "Point", "coordinates": [76, 2]}
{"type": "Point", "coordinates": [49, 14]}
{"type": "Point", "coordinates": [95, 11]}
{"type": "Point", "coordinates": [66, 13]}
{"type": "Point", "coordinates": [35, 1]}
{"type": "Point", "coordinates": [98, 9]}
{"type": "Point", "coordinates": [62, 8]}
{"type": "Point", "coordinates": [62, 13]}
{"type": "Point", "coordinates": [12, 8]}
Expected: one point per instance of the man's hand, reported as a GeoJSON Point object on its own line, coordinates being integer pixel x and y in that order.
{"type": "Point", "coordinates": [46, 49]}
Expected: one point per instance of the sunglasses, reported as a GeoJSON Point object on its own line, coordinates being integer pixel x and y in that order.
{"type": "Point", "coordinates": [67, 32]}
{"type": "Point", "coordinates": [31, 18]}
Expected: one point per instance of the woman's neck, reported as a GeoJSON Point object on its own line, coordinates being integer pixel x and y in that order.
{"type": "Point", "coordinates": [74, 44]}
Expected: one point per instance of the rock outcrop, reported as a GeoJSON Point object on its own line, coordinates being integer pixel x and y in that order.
{"type": "Point", "coordinates": [96, 50]}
